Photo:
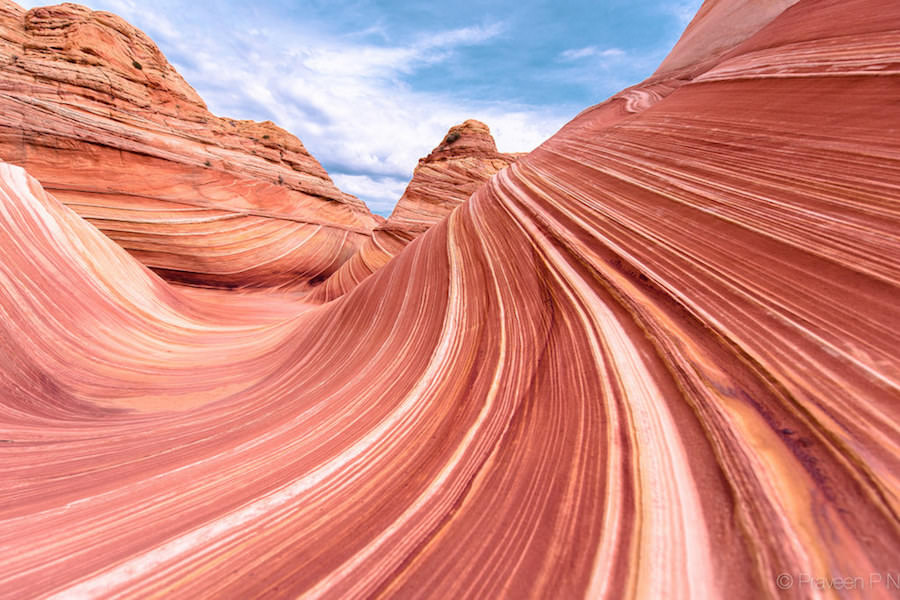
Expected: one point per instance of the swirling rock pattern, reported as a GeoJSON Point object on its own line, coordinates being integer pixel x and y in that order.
{"type": "Point", "coordinates": [657, 358]}
{"type": "Point", "coordinates": [459, 165]}
{"type": "Point", "coordinates": [90, 106]}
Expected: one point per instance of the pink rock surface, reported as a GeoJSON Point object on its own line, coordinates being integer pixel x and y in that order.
{"type": "Point", "coordinates": [655, 358]}
{"type": "Point", "coordinates": [464, 160]}
{"type": "Point", "coordinates": [90, 106]}
{"type": "Point", "coordinates": [459, 165]}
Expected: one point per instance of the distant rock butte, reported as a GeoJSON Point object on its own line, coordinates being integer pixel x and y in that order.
{"type": "Point", "coordinates": [90, 106]}
{"type": "Point", "coordinates": [465, 159]}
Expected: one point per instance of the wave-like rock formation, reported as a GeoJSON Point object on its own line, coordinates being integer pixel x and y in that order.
{"type": "Point", "coordinates": [657, 357]}
{"type": "Point", "coordinates": [90, 106]}
{"type": "Point", "coordinates": [447, 177]}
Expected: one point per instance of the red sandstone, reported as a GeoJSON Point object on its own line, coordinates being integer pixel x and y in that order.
{"type": "Point", "coordinates": [655, 358]}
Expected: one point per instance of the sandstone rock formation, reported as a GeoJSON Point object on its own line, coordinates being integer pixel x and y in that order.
{"type": "Point", "coordinates": [459, 165]}
{"type": "Point", "coordinates": [90, 106]}
{"type": "Point", "coordinates": [465, 159]}
{"type": "Point", "coordinates": [658, 357]}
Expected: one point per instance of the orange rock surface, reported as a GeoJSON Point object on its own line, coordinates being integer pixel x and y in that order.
{"type": "Point", "coordinates": [461, 163]}
{"type": "Point", "coordinates": [658, 357]}
{"type": "Point", "coordinates": [90, 106]}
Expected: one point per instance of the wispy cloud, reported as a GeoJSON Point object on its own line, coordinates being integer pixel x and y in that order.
{"type": "Point", "coordinates": [476, 34]}
{"type": "Point", "coordinates": [588, 51]}
{"type": "Point", "coordinates": [604, 70]}
{"type": "Point", "coordinates": [381, 193]}
{"type": "Point", "coordinates": [370, 89]}
{"type": "Point", "coordinates": [387, 62]}
{"type": "Point", "coordinates": [345, 97]}
{"type": "Point", "coordinates": [349, 103]}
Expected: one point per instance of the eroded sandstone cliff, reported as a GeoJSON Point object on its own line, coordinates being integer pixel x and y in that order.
{"type": "Point", "coordinates": [91, 107]}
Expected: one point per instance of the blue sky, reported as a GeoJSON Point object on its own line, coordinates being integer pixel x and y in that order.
{"type": "Point", "coordinates": [371, 86]}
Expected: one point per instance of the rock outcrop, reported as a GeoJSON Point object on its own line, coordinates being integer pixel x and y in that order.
{"type": "Point", "coordinates": [90, 106]}
{"type": "Point", "coordinates": [461, 163]}
{"type": "Point", "coordinates": [658, 357]}
{"type": "Point", "coordinates": [465, 159]}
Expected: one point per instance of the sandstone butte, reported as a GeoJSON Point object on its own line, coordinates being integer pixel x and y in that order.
{"type": "Point", "coordinates": [461, 163]}
{"type": "Point", "coordinates": [92, 109]}
{"type": "Point", "coordinates": [657, 358]}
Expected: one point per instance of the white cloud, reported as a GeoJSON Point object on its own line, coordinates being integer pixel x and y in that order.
{"type": "Point", "coordinates": [603, 70]}
{"type": "Point", "coordinates": [344, 97]}
{"type": "Point", "coordinates": [349, 104]}
{"type": "Point", "coordinates": [466, 35]}
{"type": "Point", "coordinates": [381, 193]}
{"type": "Point", "coordinates": [362, 61]}
{"type": "Point", "coordinates": [588, 51]}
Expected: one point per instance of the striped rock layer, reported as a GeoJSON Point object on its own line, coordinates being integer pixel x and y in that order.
{"type": "Point", "coordinates": [90, 106]}
{"type": "Point", "coordinates": [655, 358]}
{"type": "Point", "coordinates": [459, 165]}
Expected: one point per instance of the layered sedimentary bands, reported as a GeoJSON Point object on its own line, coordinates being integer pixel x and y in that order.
{"type": "Point", "coordinates": [92, 109]}
{"type": "Point", "coordinates": [462, 162]}
{"type": "Point", "coordinates": [657, 357]}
